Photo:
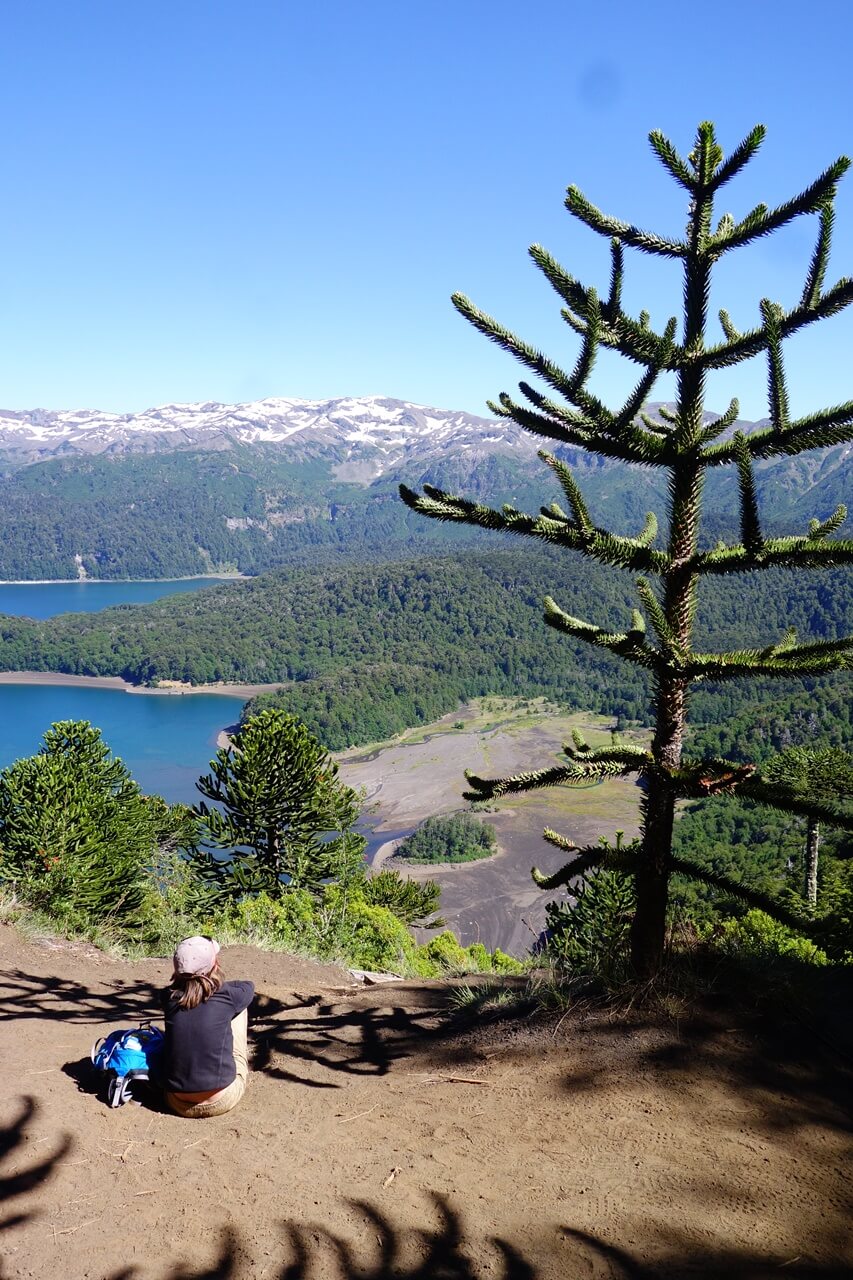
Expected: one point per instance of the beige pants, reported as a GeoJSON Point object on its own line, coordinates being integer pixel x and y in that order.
{"type": "Point", "coordinates": [230, 1096]}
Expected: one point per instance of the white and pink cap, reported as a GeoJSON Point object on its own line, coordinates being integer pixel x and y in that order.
{"type": "Point", "coordinates": [196, 955]}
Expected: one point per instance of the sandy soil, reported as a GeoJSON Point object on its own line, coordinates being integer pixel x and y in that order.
{"type": "Point", "coordinates": [374, 1143]}
{"type": "Point", "coordinates": [165, 688]}
{"type": "Point", "coordinates": [494, 900]}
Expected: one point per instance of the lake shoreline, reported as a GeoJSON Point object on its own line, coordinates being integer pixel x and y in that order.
{"type": "Point", "coordinates": [167, 688]}
{"type": "Point", "coordinates": [73, 582]}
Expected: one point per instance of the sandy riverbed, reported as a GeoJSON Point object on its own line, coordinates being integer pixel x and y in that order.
{"type": "Point", "coordinates": [493, 900]}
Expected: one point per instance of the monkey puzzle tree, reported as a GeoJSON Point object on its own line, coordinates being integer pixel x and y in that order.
{"type": "Point", "coordinates": [684, 444]}
{"type": "Point", "coordinates": [281, 811]}
{"type": "Point", "coordinates": [814, 774]}
{"type": "Point", "coordinates": [77, 836]}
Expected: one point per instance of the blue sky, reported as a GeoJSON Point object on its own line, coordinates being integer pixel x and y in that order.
{"type": "Point", "coordinates": [225, 201]}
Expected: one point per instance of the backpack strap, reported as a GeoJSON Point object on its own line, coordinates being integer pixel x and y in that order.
{"type": "Point", "coordinates": [119, 1089]}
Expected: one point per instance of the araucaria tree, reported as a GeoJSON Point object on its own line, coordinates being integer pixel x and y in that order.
{"type": "Point", "coordinates": [280, 810]}
{"type": "Point", "coordinates": [682, 442]}
{"type": "Point", "coordinates": [824, 774]}
{"type": "Point", "coordinates": [77, 836]}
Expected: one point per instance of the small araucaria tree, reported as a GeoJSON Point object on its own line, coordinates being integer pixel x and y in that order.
{"type": "Point", "coordinates": [823, 774]}
{"type": "Point", "coordinates": [280, 810]}
{"type": "Point", "coordinates": [684, 444]}
{"type": "Point", "coordinates": [78, 839]}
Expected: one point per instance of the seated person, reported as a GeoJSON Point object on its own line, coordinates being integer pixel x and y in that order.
{"type": "Point", "coordinates": [206, 1062]}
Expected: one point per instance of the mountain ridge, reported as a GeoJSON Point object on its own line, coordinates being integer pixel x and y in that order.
{"type": "Point", "coordinates": [208, 487]}
{"type": "Point", "coordinates": [390, 426]}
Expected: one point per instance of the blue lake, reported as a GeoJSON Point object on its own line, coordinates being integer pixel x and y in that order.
{"type": "Point", "coordinates": [45, 599]}
{"type": "Point", "coordinates": [165, 740]}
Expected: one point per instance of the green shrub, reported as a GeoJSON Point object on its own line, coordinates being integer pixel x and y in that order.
{"type": "Point", "coordinates": [591, 938]}
{"type": "Point", "coordinates": [502, 963]}
{"type": "Point", "coordinates": [369, 937]}
{"type": "Point", "coordinates": [479, 957]}
{"type": "Point", "coordinates": [413, 903]}
{"type": "Point", "coordinates": [287, 922]}
{"type": "Point", "coordinates": [447, 954]}
{"type": "Point", "coordinates": [755, 936]}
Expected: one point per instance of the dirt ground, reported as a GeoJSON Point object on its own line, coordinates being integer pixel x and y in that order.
{"type": "Point", "coordinates": [375, 1141]}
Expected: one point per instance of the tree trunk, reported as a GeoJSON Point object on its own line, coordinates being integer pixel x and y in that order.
{"type": "Point", "coordinates": [648, 930]}
{"type": "Point", "coordinates": [812, 847]}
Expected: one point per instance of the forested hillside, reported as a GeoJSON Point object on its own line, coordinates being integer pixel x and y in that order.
{"type": "Point", "coordinates": [180, 514]}
{"type": "Point", "coordinates": [370, 649]}
{"type": "Point", "coordinates": [256, 507]}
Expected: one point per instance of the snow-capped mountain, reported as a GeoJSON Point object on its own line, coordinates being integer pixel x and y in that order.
{"type": "Point", "coordinates": [187, 488]}
{"type": "Point", "coordinates": [373, 428]}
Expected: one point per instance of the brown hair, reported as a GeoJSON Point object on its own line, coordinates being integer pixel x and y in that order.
{"type": "Point", "coordinates": [191, 989]}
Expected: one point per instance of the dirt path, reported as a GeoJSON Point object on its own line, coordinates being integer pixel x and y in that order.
{"type": "Point", "coordinates": [374, 1145]}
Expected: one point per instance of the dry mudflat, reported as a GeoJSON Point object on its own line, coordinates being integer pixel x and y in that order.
{"type": "Point", "coordinates": [379, 1142]}
{"type": "Point", "coordinates": [494, 900]}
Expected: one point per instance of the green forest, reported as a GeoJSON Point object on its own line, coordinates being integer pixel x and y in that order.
{"type": "Point", "coordinates": [368, 650]}
{"type": "Point", "coordinates": [459, 837]}
{"type": "Point", "coordinates": [167, 515]}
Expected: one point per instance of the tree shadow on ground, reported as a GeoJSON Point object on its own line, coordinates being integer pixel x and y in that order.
{"type": "Point", "coordinates": [308, 1041]}
{"type": "Point", "coordinates": [792, 1074]}
{"type": "Point", "coordinates": [791, 1061]}
{"type": "Point", "coordinates": [20, 1182]}
{"type": "Point", "coordinates": [444, 1248]}
{"type": "Point", "coordinates": [791, 1078]}
{"type": "Point", "coordinates": [33, 996]}
{"type": "Point", "coordinates": [363, 1035]}
{"type": "Point", "coordinates": [310, 1251]}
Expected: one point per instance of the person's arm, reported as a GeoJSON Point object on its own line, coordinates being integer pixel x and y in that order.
{"type": "Point", "coordinates": [242, 994]}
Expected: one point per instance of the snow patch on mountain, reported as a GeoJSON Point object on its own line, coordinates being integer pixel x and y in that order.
{"type": "Point", "coordinates": [388, 430]}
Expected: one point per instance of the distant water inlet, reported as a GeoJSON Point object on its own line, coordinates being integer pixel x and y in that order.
{"type": "Point", "coordinates": [46, 599]}
{"type": "Point", "coordinates": [377, 839]}
{"type": "Point", "coordinates": [166, 742]}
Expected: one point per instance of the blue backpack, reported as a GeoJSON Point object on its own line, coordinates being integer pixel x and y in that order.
{"type": "Point", "coordinates": [125, 1056]}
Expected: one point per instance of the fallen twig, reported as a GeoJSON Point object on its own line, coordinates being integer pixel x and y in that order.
{"type": "Point", "coordinates": [457, 1080]}
{"type": "Point", "coordinates": [67, 1231]}
{"type": "Point", "coordinates": [358, 1116]}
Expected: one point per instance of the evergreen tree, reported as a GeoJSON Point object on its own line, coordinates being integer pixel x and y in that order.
{"type": "Point", "coordinates": [684, 444]}
{"type": "Point", "coordinates": [77, 837]}
{"type": "Point", "coordinates": [282, 813]}
{"type": "Point", "coordinates": [453, 837]}
{"type": "Point", "coordinates": [415, 904]}
{"type": "Point", "coordinates": [818, 775]}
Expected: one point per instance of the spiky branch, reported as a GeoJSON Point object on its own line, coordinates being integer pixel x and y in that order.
{"type": "Point", "coordinates": [565, 409]}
